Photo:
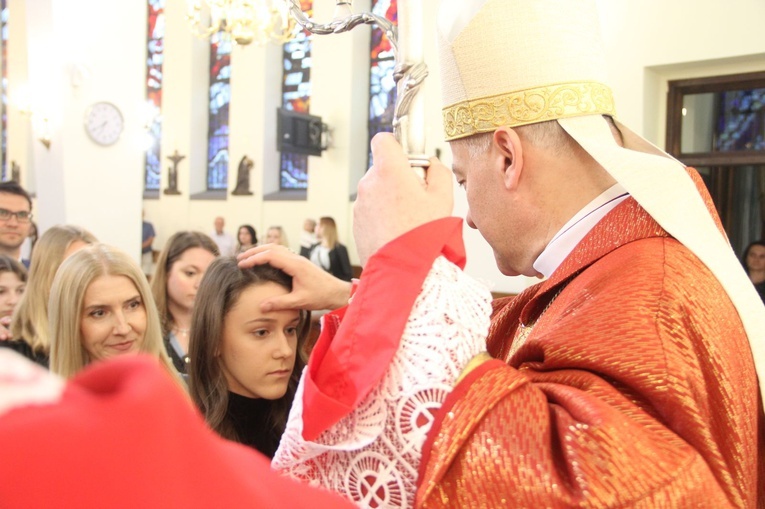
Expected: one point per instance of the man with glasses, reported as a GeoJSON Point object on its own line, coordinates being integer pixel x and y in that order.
{"type": "Point", "coordinates": [15, 219]}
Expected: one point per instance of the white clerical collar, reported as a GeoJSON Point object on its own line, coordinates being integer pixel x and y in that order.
{"type": "Point", "coordinates": [576, 228]}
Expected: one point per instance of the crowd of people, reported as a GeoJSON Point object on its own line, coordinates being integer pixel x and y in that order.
{"type": "Point", "coordinates": [193, 312]}
{"type": "Point", "coordinates": [85, 301]}
{"type": "Point", "coordinates": [630, 376]}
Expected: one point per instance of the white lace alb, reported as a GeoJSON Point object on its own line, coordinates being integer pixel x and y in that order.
{"type": "Point", "coordinates": [372, 455]}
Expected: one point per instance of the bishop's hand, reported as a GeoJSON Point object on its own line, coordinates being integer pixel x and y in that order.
{"type": "Point", "coordinates": [312, 287]}
{"type": "Point", "coordinates": [393, 199]}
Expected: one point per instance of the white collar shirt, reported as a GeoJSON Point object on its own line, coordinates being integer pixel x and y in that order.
{"type": "Point", "coordinates": [577, 228]}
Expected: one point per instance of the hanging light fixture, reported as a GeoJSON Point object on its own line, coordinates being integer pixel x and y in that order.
{"type": "Point", "coordinates": [255, 22]}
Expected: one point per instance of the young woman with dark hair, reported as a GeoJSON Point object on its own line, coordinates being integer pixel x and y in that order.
{"type": "Point", "coordinates": [245, 364]}
{"type": "Point", "coordinates": [753, 260]}
{"type": "Point", "coordinates": [246, 238]}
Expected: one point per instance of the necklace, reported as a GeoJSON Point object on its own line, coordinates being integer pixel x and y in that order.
{"type": "Point", "coordinates": [182, 332]}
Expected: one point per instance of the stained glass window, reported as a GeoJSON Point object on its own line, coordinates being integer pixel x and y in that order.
{"type": "Point", "coordinates": [155, 37]}
{"type": "Point", "coordinates": [296, 96]}
{"type": "Point", "coordinates": [382, 88]}
{"type": "Point", "coordinates": [4, 106]}
{"type": "Point", "coordinates": [220, 98]}
{"type": "Point", "coordinates": [741, 120]}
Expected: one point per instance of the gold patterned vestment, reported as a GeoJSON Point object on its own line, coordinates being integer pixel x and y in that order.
{"type": "Point", "coordinates": [627, 381]}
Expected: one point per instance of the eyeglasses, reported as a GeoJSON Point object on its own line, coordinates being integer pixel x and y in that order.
{"type": "Point", "coordinates": [22, 216]}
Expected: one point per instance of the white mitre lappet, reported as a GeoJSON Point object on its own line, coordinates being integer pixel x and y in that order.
{"type": "Point", "coordinates": [518, 62]}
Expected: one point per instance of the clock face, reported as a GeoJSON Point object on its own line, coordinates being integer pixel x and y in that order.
{"type": "Point", "coordinates": [104, 123]}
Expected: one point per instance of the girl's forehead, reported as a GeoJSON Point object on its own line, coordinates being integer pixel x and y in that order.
{"type": "Point", "coordinates": [9, 275]}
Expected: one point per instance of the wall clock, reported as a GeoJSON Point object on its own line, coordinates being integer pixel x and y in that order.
{"type": "Point", "coordinates": [104, 123]}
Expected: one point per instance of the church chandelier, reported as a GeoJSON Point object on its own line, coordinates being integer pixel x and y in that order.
{"type": "Point", "coordinates": [255, 22]}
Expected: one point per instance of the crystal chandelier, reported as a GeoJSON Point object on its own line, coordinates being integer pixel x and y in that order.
{"type": "Point", "coordinates": [245, 21]}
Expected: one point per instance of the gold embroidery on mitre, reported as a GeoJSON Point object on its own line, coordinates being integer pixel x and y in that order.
{"type": "Point", "coordinates": [527, 107]}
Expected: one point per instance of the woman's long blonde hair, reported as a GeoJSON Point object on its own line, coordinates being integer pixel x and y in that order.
{"type": "Point", "coordinates": [328, 232]}
{"type": "Point", "coordinates": [67, 354]}
{"type": "Point", "coordinates": [282, 235]}
{"type": "Point", "coordinates": [30, 320]}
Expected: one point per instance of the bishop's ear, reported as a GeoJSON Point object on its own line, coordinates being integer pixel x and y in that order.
{"type": "Point", "coordinates": [507, 142]}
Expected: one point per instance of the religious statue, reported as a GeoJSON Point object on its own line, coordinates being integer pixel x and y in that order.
{"type": "Point", "coordinates": [172, 173]}
{"type": "Point", "coordinates": [243, 177]}
{"type": "Point", "coordinates": [15, 172]}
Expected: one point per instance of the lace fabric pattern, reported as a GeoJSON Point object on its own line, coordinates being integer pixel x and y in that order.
{"type": "Point", "coordinates": [372, 455]}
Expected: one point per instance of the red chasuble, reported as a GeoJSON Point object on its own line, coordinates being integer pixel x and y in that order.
{"type": "Point", "coordinates": [627, 381]}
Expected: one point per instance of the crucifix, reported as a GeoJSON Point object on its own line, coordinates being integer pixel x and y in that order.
{"type": "Point", "coordinates": [172, 173]}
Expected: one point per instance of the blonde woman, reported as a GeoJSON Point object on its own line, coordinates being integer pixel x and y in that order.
{"type": "Point", "coordinates": [180, 267]}
{"type": "Point", "coordinates": [29, 326]}
{"type": "Point", "coordinates": [328, 253]}
{"type": "Point", "coordinates": [101, 307]}
{"type": "Point", "coordinates": [277, 235]}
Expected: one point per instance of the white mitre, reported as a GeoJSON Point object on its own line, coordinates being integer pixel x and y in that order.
{"type": "Point", "coordinates": [517, 62]}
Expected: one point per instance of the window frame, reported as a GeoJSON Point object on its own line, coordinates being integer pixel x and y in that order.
{"type": "Point", "coordinates": [678, 89]}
